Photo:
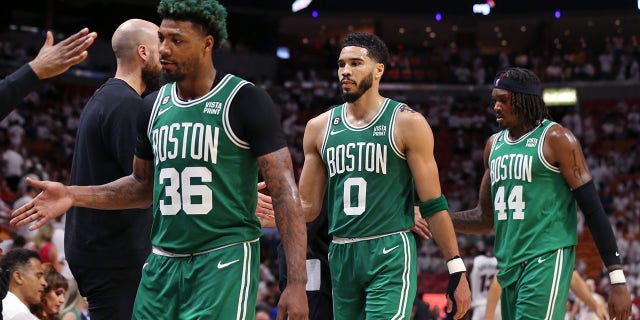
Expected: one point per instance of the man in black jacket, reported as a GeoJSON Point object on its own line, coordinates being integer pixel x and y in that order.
{"type": "Point", "coordinates": [106, 250]}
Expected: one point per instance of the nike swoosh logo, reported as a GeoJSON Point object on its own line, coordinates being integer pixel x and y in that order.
{"type": "Point", "coordinates": [498, 147]}
{"type": "Point", "coordinates": [164, 110]}
{"type": "Point", "coordinates": [617, 254]}
{"type": "Point", "coordinates": [224, 265]}
{"type": "Point", "coordinates": [385, 250]}
{"type": "Point", "coordinates": [336, 132]}
{"type": "Point", "coordinates": [540, 260]}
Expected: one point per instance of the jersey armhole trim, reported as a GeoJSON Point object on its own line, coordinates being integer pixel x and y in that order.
{"type": "Point", "coordinates": [392, 125]}
{"type": "Point", "coordinates": [326, 132]}
{"type": "Point", "coordinates": [541, 151]}
{"type": "Point", "coordinates": [227, 124]}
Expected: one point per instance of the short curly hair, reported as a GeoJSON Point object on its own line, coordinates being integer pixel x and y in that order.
{"type": "Point", "coordinates": [209, 14]}
{"type": "Point", "coordinates": [377, 49]}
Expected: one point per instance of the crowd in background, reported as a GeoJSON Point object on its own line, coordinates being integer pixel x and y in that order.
{"type": "Point", "coordinates": [37, 139]}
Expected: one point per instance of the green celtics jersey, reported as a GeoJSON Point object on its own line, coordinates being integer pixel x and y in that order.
{"type": "Point", "coordinates": [534, 209]}
{"type": "Point", "coordinates": [204, 193]}
{"type": "Point", "coordinates": [370, 187]}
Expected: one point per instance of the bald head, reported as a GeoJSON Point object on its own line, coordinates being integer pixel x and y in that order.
{"type": "Point", "coordinates": [132, 33]}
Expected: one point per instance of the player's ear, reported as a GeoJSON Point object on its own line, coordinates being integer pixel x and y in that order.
{"type": "Point", "coordinates": [209, 42]}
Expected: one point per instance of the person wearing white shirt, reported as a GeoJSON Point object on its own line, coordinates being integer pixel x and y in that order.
{"type": "Point", "coordinates": [26, 283]}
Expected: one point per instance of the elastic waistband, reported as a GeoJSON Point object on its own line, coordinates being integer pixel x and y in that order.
{"type": "Point", "coordinates": [164, 253]}
{"type": "Point", "coordinates": [339, 240]}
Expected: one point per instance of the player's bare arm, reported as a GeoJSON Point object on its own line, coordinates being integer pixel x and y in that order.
{"type": "Point", "coordinates": [562, 149]}
{"type": "Point", "coordinates": [413, 135]}
{"type": "Point", "coordinates": [133, 191]}
{"type": "Point", "coordinates": [313, 179]}
{"type": "Point", "coordinates": [277, 171]}
{"type": "Point", "coordinates": [480, 218]}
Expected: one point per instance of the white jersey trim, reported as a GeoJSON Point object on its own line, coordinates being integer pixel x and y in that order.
{"type": "Point", "coordinates": [155, 109]}
{"type": "Point", "coordinates": [392, 125]}
{"type": "Point", "coordinates": [326, 133]}
{"type": "Point", "coordinates": [557, 272]}
{"type": "Point", "coordinates": [541, 151]}
{"type": "Point", "coordinates": [245, 284]}
{"type": "Point", "coordinates": [185, 104]}
{"type": "Point", "coordinates": [225, 118]}
{"type": "Point", "coordinates": [406, 281]}
{"type": "Point", "coordinates": [370, 124]}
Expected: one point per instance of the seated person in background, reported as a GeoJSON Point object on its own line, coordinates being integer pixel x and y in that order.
{"type": "Point", "coordinates": [53, 295]}
{"type": "Point", "coordinates": [26, 283]}
{"type": "Point", "coordinates": [74, 305]}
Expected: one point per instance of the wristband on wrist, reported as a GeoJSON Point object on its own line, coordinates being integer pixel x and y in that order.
{"type": "Point", "coordinates": [456, 265]}
{"type": "Point", "coordinates": [617, 277]}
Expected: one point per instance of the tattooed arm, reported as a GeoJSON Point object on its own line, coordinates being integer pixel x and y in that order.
{"type": "Point", "coordinates": [277, 171]}
{"type": "Point", "coordinates": [480, 218]}
{"type": "Point", "coordinates": [562, 149]}
{"type": "Point", "coordinates": [133, 191]}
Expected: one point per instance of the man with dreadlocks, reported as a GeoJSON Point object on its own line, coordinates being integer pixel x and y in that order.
{"type": "Point", "coordinates": [201, 141]}
{"type": "Point", "coordinates": [535, 172]}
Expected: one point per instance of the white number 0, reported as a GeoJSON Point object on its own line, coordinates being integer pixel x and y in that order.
{"type": "Point", "coordinates": [514, 202]}
{"type": "Point", "coordinates": [362, 196]}
{"type": "Point", "coordinates": [184, 200]}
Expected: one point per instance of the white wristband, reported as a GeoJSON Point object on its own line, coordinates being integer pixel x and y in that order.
{"type": "Point", "coordinates": [617, 277]}
{"type": "Point", "coordinates": [456, 265]}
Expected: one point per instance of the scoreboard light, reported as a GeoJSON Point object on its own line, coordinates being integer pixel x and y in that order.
{"type": "Point", "coordinates": [556, 97]}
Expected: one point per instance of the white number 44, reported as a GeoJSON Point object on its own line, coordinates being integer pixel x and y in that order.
{"type": "Point", "coordinates": [514, 202]}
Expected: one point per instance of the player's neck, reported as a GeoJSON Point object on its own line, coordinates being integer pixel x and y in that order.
{"type": "Point", "coordinates": [365, 108]}
{"type": "Point", "coordinates": [191, 88]}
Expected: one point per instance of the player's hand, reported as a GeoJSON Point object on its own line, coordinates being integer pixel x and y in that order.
{"type": "Point", "coordinates": [52, 202]}
{"type": "Point", "coordinates": [601, 312]}
{"type": "Point", "coordinates": [619, 302]}
{"type": "Point", "coordinates": [293, 303]}
{"type": "Point", "coordinates": [421, 226]}
{"type": "Point", "coordinates": [264, 209]}
{"type": "Point", "coordinates": [462, 295]}
{"type": "Point", "coordinates": [53, 60]}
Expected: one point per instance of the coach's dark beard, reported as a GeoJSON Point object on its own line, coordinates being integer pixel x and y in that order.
{"type": "Point", "coordinates": [151, 79]}
{"type": "Point", "coordinates": [362, 88]}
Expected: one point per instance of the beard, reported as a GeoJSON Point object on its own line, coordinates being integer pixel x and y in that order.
{"type": "Point", "coordinates": [364, 85]}
{"type": "Point", "coordinates": [166, 77]}
{"type": "Point", "coordinates": [151, 78]}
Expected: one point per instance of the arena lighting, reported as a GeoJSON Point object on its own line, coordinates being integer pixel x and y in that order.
{"type": "Point", "coordinates": [438, 16]}
{"type": "Point", "coordinates": [483, 8]}
{"type": "Point", "coordinates": [557, 14]}
{"type": "Point", "coordinates": [298, 5]}
{"type": "Point", "coordinates": [557, 97]}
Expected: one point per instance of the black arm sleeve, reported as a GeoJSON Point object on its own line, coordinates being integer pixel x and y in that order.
{"type": "Point", "coordinates": [143, 145]}
{"type": "Point", "coordinates": [15, 87]}
{"type": "Point", "coordinates": [256, 119]}
{"type": "Point", "coordinates": [598, 223]}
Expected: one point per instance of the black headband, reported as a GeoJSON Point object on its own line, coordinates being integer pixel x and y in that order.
{"type": "Point", "coordinates": [515, 86]}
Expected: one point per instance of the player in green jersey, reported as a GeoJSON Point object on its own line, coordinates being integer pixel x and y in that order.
{"type": "Point", "coordinates": [535, 172]}
{"type": "Point", "coordinates": [200, 145]}
{"type": "Point", "coordinates": [368, 154]}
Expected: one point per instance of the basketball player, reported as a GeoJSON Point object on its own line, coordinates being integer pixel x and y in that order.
{"type": "Point", "coordinates": [199, 150]}
{"type": "Point", "coordinates": [366, 154]}
{"type": "Point", "coordinates": [482, 272]}
{"type": "Point", "coordinates": [535, 173]}
{"type": "Point", "coordinates": [51, 61]}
